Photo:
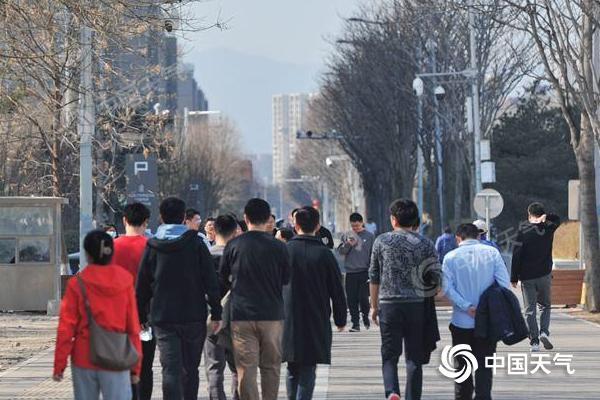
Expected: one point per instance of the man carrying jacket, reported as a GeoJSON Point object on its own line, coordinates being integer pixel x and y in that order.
{"type": "Point", "coordinates": [469, 271]}
{"type": "Point", "coordinates": [315, 286]}
{"type": "Point", "coordinates": [176, 276]}
{"type": "Point", "coordinates": [532, 265]}
{"type": "Point", "coordinates": [402, 262]}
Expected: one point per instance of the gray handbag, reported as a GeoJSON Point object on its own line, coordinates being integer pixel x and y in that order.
{"type": "Point", "coordinates": [108, 350]}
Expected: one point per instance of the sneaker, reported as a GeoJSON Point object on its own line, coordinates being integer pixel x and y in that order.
{"type": "Point", "coordinates": [354, 329]}
{"type": "Point", "coordinates": [546, 341]}
{"type": "Point", "coordinates": [535, 347]}
{"type": "Point", "coordinates": [394, 396]}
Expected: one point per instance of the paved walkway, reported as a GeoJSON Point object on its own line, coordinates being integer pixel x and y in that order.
{"type": "Point", "coordinates": [356, 371]}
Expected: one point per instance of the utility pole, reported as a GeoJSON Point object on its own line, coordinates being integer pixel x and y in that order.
{"type": "Point", "coordinates": [475, 91]}
{"type": "Point", "coordinates": [439, 155]}
{"type": "Point", "coordinates": [420, 160]}
{"type": "Point", "coordinates": [86, 132]}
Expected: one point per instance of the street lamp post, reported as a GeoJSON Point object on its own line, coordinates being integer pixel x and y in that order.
{"type": "Point", "coordinates": [472, 75]}
{"type": "Point", "coordinates": [475, 102]}
{"type": "Point", "coordinates": [439, 151]}
{"type": "Point", "coordinates": [86, 132]}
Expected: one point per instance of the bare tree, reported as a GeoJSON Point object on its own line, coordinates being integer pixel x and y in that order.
{"type": "Point", "coordinates": [210, 159]}
{"type": "Point", "coordinates": [564, 33]}
{"type": "Point", "coordinates": [368, 96]}
{"type": "Point", "coordinates": [39, 91]}
{"type": "Point", "coordinates": [333, 180]}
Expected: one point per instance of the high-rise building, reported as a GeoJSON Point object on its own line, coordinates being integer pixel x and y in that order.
{"type": "Point", "coordinates": [189, 94]}
{"type": "Point", "coordinates": [289, 113]}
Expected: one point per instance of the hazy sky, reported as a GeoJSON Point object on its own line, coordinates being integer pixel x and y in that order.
{"type": "Point", "coordinates": [285, 30]}
{"type": "Point", "coordinates": [271, 35]}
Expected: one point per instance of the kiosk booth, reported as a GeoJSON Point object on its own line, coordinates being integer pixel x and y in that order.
{"type": "Point", "coordinates": [30, 253]}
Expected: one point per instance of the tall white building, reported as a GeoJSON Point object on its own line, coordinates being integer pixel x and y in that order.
{"type": "Point", "coordinates": [289, 113]}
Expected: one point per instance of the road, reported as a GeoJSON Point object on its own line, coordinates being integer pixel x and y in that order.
{"type": "Point", "coordinates": [356, 372]}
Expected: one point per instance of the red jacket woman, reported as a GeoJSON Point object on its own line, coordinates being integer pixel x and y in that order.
{"type": "Point", "coordinates": [112, 300]}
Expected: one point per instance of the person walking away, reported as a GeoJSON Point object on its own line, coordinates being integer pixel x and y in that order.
{"type": "Point", "coordinates": [532, 265]}
{"type": "Point", "coordinates": [216, 355]}
{"type": "Point", "coordinates": [129, 249]}
{"type": "Point", "coordinates": [469, 271]}
{"type": "Point", "coordinates": [356, 249]}
{"type": "Point", "coordinates": [404, 277]}
{"type": "Point", "coordinates": [256, 266]}
{"type": "Point", "coordinates": [176, 277]}
{"type": "Point", "coordinates": [483, 232]}
{"type": "Point", "coordinates": [315, 288]}
{"type": "Point", "coordinates": [193, 222]}
{"type": "Point", "coordinates": [323, 233]}
{"type": "Point", "coordinates": [109, 292]}
{"type": "Point", "coordinates": [445, 243]}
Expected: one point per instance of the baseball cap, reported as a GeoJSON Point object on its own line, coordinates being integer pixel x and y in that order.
{"type": "Point", "coordinates": [481, 225]}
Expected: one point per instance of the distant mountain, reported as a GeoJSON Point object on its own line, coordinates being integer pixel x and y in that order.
{"type": "Point", "coordinates": [241, 85]}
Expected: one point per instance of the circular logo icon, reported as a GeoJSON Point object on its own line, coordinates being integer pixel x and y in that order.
{"type": "Point", "coordinates": [427, 277]}
{"type": "Point", "coordinates": [450, 354]}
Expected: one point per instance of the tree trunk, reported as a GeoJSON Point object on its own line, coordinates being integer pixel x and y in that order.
{"type": "Point", "coordinates": [589, 218]}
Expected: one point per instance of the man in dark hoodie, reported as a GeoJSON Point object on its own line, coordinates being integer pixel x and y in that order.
{"type": "Point", "coordinates": [176, 276]}
{"type": "Point", "coordinates": [532, 265]}
{"type": "Point", "coordinates": [315, 286]}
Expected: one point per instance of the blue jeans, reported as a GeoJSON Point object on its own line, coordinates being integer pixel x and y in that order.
{"type": "Point", "coordinates": [89, 383]}
{"type": "Point", "coordinates": [301, 381]}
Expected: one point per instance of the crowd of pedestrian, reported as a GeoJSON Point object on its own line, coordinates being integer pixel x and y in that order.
{"type": "Point", "coordinates": [249, 295]}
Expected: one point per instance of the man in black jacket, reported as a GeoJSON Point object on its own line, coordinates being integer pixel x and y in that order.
{"type": "Point", "coordinates": [176, 276]}
{"type": "Point", "coordinates": [315, 286]}
{"type": "Point", "coordinates": [532, 265]}
{"type": "Point", "coordinates": [256, 266]}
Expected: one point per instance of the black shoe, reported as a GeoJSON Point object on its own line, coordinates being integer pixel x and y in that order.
{"type": "Point", "coordinates": [354, 329]}
{"type": "Point", "coordinates": [546, 341]}
{"type": "Point", "coordinates": [367, 326]}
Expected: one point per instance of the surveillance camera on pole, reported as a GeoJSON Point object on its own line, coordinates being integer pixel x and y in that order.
{"type": "Point", "coordinates": [171, 18]}
{"type": "Point", "coordinates": [329, 162]}
{"type": "Point", "coordinates": [439, 92]}
{"type": "Point", "coordinates": [418, 87]}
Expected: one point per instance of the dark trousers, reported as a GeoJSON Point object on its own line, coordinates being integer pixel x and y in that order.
{"type": "Point", "coordinates": [143, 390]}
{"type": "Point", "coordinates": [180, 347]}
{"type": "Point", "coordinates": [481, 349]}
{"type": "Point", "coordinates": [357, 293]}
{"type": "Point", "coordinates": [402, 322]}
{"type": "Point", "coordinates": [537, 291]}
{"type": "Point", "coordinates": [301, 381]}
{"type": "Point", "coordinates": [215, 359]}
